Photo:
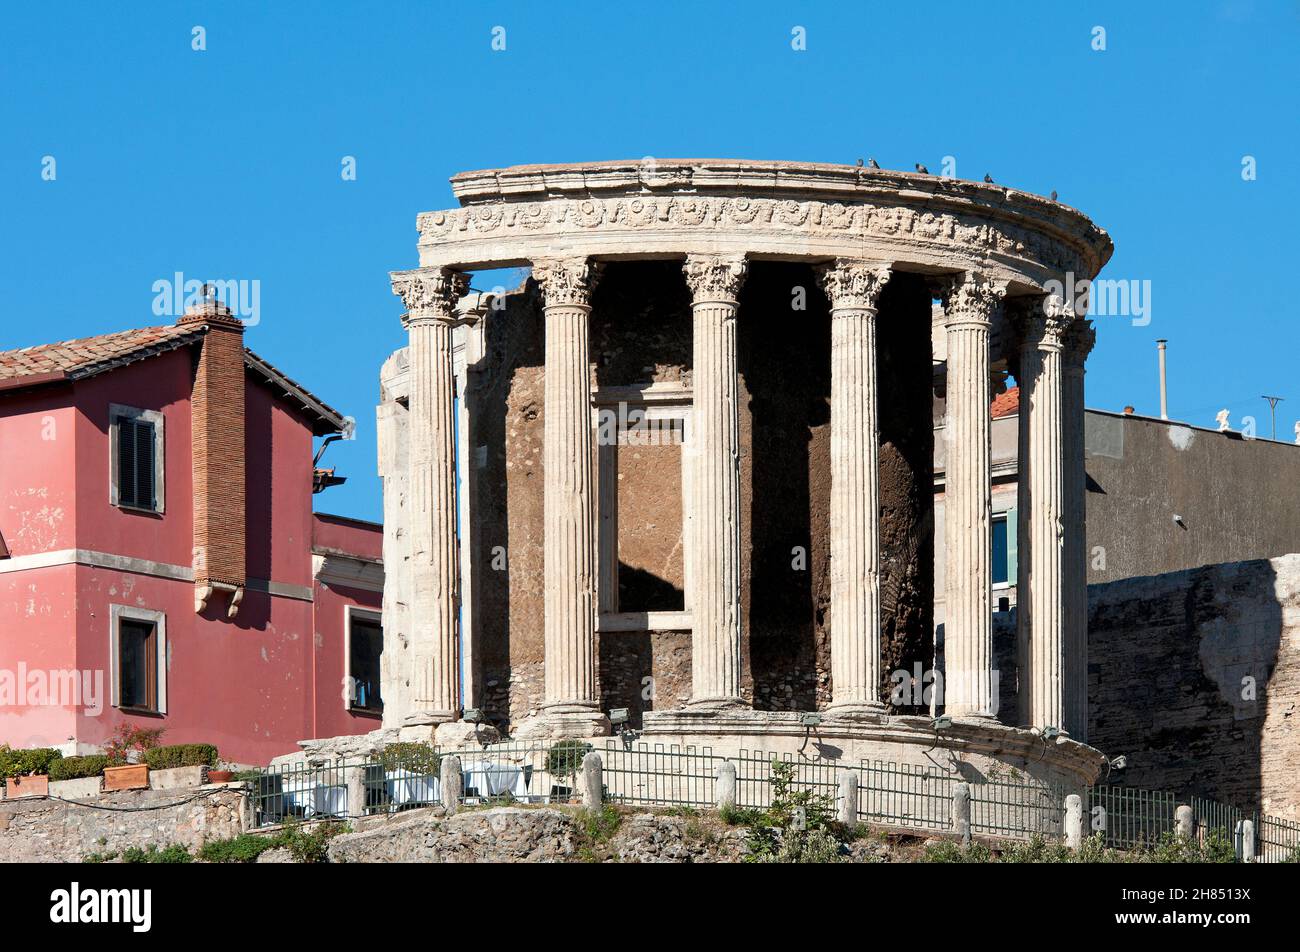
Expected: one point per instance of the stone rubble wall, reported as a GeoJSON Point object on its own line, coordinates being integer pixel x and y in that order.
{"type": "Point", "coordinates": [41, 830]}
{"type": "Point", "coordinates": [1195, 677]}
{"type": "Point", "coordinates": [549, 835]}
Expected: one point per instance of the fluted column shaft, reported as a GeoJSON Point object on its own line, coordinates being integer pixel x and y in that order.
{"type": "Point", "coordinates": [430, 298]}
{"type": "Point", "coordinates": [1078, 343]}
{"type": "Point", "coordinates": [569, 535]}
{"type": "Point", "coordinates": [714, 446]}
{"type": "Point", "coordinates": [1040, 607]}
{"type": "Point", "coordinates": [970, 304]}
{"type": "Point", "coordinates": [853, 289]}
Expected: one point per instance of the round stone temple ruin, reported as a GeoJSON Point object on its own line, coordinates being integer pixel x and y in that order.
{"type": "Point", "coordinates": [685, 470]}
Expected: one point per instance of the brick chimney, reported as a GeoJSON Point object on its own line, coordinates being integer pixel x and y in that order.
{"type": "Point", "coordinates": [217, 449]}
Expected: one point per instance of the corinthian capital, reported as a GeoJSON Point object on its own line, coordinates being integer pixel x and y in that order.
{"type": "Point", "coordinates": [1042, 322]}
{"type": "Point", "coordinates": [971, 298]}
{"type": "Point", "coordinates": [715, 277]}
{"type": "Point", "coordinates": [851, 283]}
{"type": "Point", "coordinates": [1079, 341]}
{"type": "Point", "coordinates": [430, 294]}
{"type": "Point", "coordinates": [566, 280]}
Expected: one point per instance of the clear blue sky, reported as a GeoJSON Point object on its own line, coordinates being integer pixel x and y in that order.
{"type": "Point", "coordinates": [226, 163]}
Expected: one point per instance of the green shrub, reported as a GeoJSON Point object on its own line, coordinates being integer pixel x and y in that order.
{"type": "Point", "coordinates": [181, 755]}
{"type": "Point", "coordinates": [415, 756]}
{"type": "Point", "coordinates": [170, 854]}
{"type": "Point", "coordinates": [74, 768]}
{"type": "Point", "coordinates": [22, 763]}
{"type": "Point", "coordinates": [244, 848]}
{"type": "Point", "coordinates": [310, 847]}
{"type": "Point", "coordinates": [565, 758]}
{"type": "Point", "coordinates": [599, 825]}
{"type": "Point", "coordinates": [951, 852]}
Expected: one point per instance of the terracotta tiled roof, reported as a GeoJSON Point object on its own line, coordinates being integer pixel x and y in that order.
{"type": "Point", "coordinates": [1006, 404]}
{"type": "Point", "coordinates": [73, 359]}
{"type": "Point", "coordinates": [87, 356]}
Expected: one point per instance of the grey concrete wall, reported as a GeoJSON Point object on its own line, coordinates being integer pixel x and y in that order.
{"type": "Point", "coordinates": [1236, 497]}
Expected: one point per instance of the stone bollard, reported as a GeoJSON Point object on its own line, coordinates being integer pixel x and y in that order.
{"type": "Point", "coordinates": [593, 783]}
{"type": "Point", "coordinates": [355, 778]}
{"type": "Point", "coordinates": [961, 812]}
{"type": "Point", "coordinates": [1183, 822]}
{"type": "Point", "coordinates": [453, 783]}
{"type": "Point", "coordinates": [726, 789]}
{"type": "Point", "coordinates": [1074, 821]}
{"type": "Point", "coordinates": [849, 798]}
{"type": "Point", "coordinates": [1243, 839]}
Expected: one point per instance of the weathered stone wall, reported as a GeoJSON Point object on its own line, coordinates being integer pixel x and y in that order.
{"type": "Point", "coordinates": [1195, 677]}
{"type": "Point", "coordinates": [54, 831]}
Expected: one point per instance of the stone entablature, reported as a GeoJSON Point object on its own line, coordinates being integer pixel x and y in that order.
{"type": "Point", "coordinates": [774, 210]}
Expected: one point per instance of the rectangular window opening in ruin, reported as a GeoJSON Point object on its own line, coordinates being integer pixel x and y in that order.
{"type": "Point", "coordinates": [641, 436]}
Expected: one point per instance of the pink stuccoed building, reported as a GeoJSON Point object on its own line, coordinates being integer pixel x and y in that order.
{"type": "Point", "coordinates": [160, 562]}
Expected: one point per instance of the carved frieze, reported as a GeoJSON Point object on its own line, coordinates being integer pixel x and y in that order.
{"type": "Point", "coordinates": [974, 232]}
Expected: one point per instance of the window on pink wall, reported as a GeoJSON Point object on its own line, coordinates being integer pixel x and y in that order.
{"type": "Point", "coordinates": [136, 457]}
{"type": "Point", "coordinates": [365, 644]}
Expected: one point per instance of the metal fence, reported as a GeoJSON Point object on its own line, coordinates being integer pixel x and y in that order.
{"type": "Point", "coordinates": [1279, 840]}
{"type": "Point", "coordinates": [905, 796]}
{"type": "Point", "coordinates": [1129, 818]}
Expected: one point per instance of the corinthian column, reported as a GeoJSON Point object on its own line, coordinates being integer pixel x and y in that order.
{"type": "Point", "coordinates": [1040, 609]}
{"type": "Point", "coordinates": [571, 706]}
{"type": "Point", "coordinates": [853, 288]}
{"type": "Point", "coordinates": [970, 302]}
{"type": "Point", "coordinates": [714, 446]}
{"type": "Point", "coordinates": [1078, 344]}
{"type": "Point", "coordinates": [430, 298]}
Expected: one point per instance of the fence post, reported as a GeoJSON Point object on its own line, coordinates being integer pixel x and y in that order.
{"type": "Point", "coordinates": [453, 783]}
{"type": "Point", "coordinates": [726, 788]}
{"type": "Point", "coordinates": [1243, 841]}
{"type": "Point", "coordinates": [355, 778]}
{"type": "Point", "coordinates": [961, 812]}
{"type": "Point", "coordinates": [592, 781]}
{"type": "Point", "coordinates": [1183, 822]}
{"type": "Point", "coordinates": [1074, 821]}
{"type": "Point", "coordinates": [849, 798]}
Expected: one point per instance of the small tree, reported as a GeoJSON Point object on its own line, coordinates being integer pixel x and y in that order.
{"type": "Point", "coordinates": [129, 743]}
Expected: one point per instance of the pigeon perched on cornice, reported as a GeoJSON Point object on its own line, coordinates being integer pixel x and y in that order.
{"type": "Point", "coordinates": [872, 163]}
{"type": "Point", "coordinates": [988, 178]}
{"type": "Point", "coordinates": [922, 169]}
{"type": "Point", "coordinates": [1053, 194]}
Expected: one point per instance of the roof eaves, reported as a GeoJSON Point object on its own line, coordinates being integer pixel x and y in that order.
{"type": "Point", "coordinates": [331, 419]}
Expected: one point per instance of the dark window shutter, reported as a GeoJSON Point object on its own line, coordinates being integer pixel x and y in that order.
{"type": "Point", "coordinates": [144, 466]}
{"type": "Point", "coordinates": [126, 462]}
{"type": "Point", "coordinates": [135, 464]}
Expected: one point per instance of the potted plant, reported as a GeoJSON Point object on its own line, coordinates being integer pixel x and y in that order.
{"type": "Point", "coordinates": [26, 772]}
{"type": "Point", "coordinates": [125, 752]}
{"type": "Point", "coordinates": [220, 775]}
{"type": "Point", "coordinates": [563, 761]}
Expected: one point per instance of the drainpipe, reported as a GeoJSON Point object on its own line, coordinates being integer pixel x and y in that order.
{"type": "Point", "coordinates": [1164, 389]}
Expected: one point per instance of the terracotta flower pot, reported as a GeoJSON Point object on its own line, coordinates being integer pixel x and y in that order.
{"type": "Point", "coordinates": [220, 776]}
{"type": "Point", "coordinates": [128, 777]}
{"type": "Point", "coordinates": [35, 785]}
